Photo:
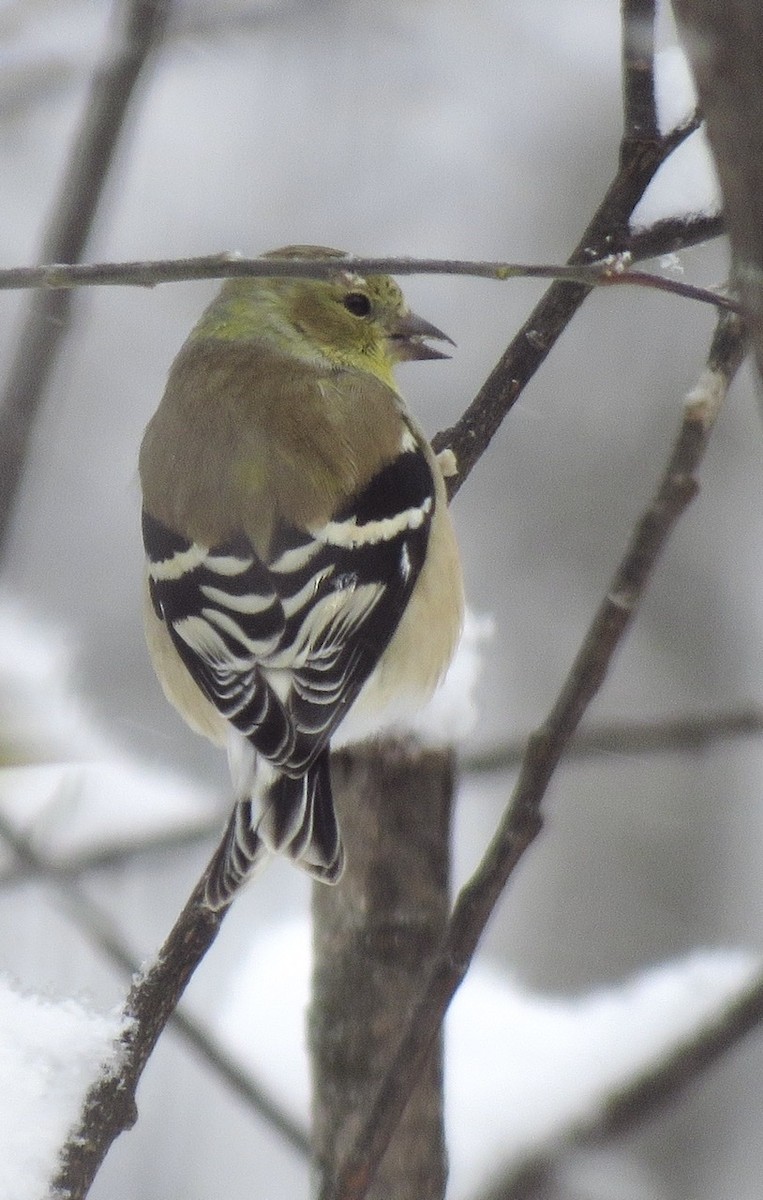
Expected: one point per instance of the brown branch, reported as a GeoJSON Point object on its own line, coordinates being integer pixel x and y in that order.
{"type": "Point", "coordinates": [150, 273]}
{"type": "Point", "coordinates": [639, 103]}
{"type": "Point", "coordinates": [617, 275]}
{"type": "Point", "coordinates": [675, 233]}
{"type": "Point", "coordinates": [669, 735]}
{"type": "Point", "coordinates": [49, 315]}
{"type": "Point", "coordinates": [522, 820]}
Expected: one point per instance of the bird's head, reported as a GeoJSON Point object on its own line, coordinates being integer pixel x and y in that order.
{"type": "Point", "coordinates": [348, 319]}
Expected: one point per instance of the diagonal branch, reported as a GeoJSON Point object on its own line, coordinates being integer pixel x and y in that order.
{"type": "Point", "coordinates": [607, 233]}
{"type": "Point", "coordinates": [675, 233]}
{"type": "Point", "coordinates": [522, 820]}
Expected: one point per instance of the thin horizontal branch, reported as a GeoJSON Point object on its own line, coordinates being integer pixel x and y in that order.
{"type": "Point", "coordinates": [669, 735]}
{"type": "Point", "coordinates": [522, 819]}
{"type": "Point", "coordinates": [113, 854]}
{"type": "Point", "coordinates": [149, 274]}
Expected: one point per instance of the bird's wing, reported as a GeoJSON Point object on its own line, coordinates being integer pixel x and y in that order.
{"type": "Point", "coordinates": [283, 648]}
{"type": "Point", "coordinates": [224, 616]}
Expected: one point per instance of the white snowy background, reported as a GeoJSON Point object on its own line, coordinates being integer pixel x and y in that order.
{"type": "Point", "coordinates": [413, 127]}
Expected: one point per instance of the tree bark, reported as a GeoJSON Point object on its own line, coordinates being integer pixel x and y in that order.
{"type": "Point", "coordinates": [374, 937]}
{"type": "Point", "coordinates": [724, 42]}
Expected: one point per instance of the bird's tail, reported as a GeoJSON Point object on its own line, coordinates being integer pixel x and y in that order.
{"type": "Point", "coordinates": [240, 853]}
{"type": "Point", "coordinates": [294, 817]}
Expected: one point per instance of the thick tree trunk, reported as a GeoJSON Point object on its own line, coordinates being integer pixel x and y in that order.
{"type": "Point", "coordinates": [724, 42]}
{"type": "Point", "coordinates": [374, 935]}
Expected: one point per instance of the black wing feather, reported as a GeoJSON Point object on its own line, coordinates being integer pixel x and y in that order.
{"type": "Point", "coordinates": [283, 648]}
{"type": "Point", "coordinates": [336, 662]}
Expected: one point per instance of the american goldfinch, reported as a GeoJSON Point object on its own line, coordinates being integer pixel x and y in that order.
{"type": "Point", "coordinates": [300, 555]}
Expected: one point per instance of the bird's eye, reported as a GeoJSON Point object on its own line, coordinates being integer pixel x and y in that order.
{"type": "Point", "coordinates": [357, 303]}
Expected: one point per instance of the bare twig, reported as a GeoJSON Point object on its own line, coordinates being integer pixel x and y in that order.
{"type": "Point", "coordinates": [675, 233]}
{"type": "Point", "coordinates": [639, 103]}
{"type": "Point", "coordinates": [724, 44]}
{"type": "Point", "coordinates": [669, 735]}
{"type": "Point", "coordinates": [609, 272]}
{"type": "Point", "coordinates": [49, 314]}
{"type": "Point", "coordinates": [522, 820]}
{"type": "Point", "coordinates": [694, 733]}
{"type": "Point", "coordinates": [110, 854]}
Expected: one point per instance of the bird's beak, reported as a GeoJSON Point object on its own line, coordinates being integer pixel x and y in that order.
{"type": "Point", "coordinates": [407, 338]}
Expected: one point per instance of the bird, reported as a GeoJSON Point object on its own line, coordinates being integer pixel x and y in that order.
{"type": "Point", "coordinates": [301, 562]}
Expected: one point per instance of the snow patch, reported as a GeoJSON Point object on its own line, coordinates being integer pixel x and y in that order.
{"type": "Point", "coordinates": [61, 776]}
{"type": "Point", "coordinates": [50, 1052]}
{"type": "Point", "coordinates": [686, 184]}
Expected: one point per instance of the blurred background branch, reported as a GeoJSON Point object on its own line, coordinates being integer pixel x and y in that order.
{"type": "Point", "coordinates": [667, 735]}
{"type": "Point", "coordinates": [724, 43]}
{"type": "Point", "coordinates": [139, 27]}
